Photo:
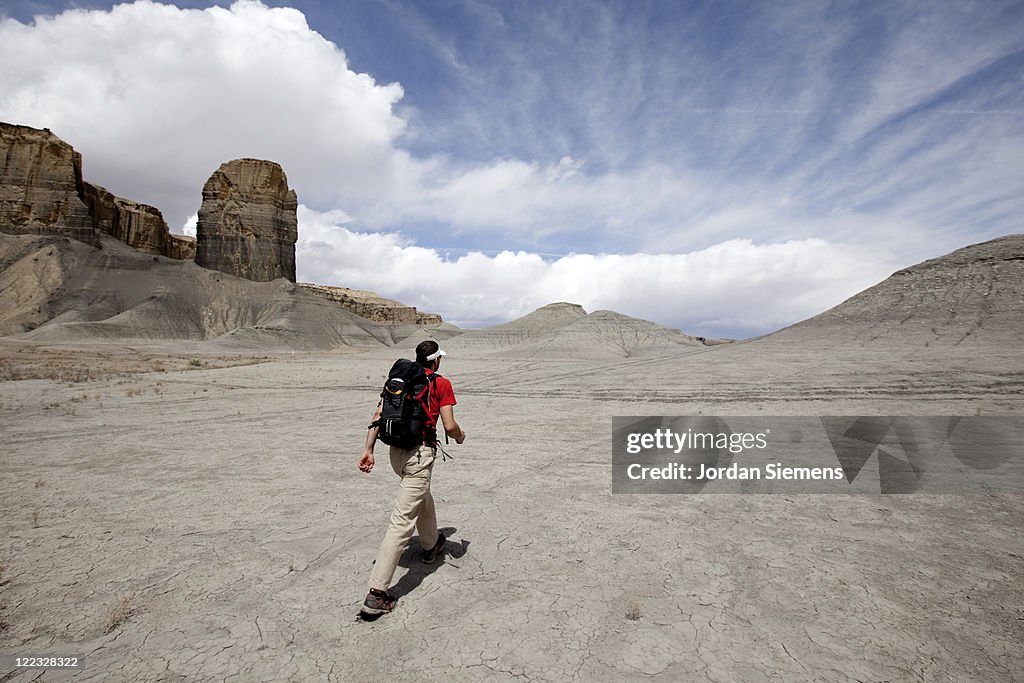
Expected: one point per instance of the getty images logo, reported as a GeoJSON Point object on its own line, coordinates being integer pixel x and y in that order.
{"type": "Point", "coordinates": [863, 454]}
{"type": "Point", "coordinates": [905, 446]}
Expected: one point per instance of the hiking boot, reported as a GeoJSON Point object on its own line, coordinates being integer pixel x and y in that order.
{"type": "Point", "coordinates": [379, 602]}
{"type": "Point", "coordinates": [430, 555]}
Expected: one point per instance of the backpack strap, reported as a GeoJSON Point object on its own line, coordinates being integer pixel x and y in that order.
{"type": "Point", "coordinates": [430, 438]}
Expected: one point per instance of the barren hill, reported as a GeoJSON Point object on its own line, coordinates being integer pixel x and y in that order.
{"type": "Point", "coordinates": [606, 335]}
{"type": "Point", "coordinates": [972, 296]}
{"type": "Point", "coordinates": [948, 327]}
{"type": "Point", "coordinates": [57, 289]}
{"type": "Point", "coordinates": [529, 328]}
{"type": "Point", "coordinates": [564, 331]}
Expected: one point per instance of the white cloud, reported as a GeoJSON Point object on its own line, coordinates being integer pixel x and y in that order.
{"type": "Point", "coordinates": [157, 97]}
{"type": "Point", "coordinates": [735, 288]}
{"type": "Point", "coordinates": [191, 225]}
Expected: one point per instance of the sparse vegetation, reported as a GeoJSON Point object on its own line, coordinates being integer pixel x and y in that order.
{"type": "Point", "coordinates": [40, 483]}
{"type": "Point", "coordinates": [633, 611]}
{"type": "Point", "coordinates": [19, 362]}
{"type": "Point", "coordinates": [119, 612]}
{"type": "Point", "coordinates": [35, 518]}
{"type": "Point", "coordinates": [49, 371]}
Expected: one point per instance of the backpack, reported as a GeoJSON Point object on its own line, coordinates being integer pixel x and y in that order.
{"type": "Point", "coordinates": [405, 421]}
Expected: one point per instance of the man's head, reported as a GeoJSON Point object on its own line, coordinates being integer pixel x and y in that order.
{"type": "Point", "coordinates": [428, 354]}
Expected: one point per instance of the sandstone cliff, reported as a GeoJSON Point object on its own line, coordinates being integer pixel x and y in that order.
{"type": "Point", "coordinates": [42, 192]}
{"type": "Point", "coordinates": [137, 225]}
{"type": "Point", "coordinates": [372, 306]}
{"type": "Point", "coordinates": [40, 185]}
{"type": "Point", "coordinates": [248, 223]}
{"type": "Point", "coordinates": [181, 248]}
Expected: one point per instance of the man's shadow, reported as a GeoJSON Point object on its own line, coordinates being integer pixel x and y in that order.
{"type": "Point", "coordinates": [412, 558]}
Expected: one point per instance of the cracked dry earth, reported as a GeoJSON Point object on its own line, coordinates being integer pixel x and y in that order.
{"type": "Point", "coordinates": [226, 506]}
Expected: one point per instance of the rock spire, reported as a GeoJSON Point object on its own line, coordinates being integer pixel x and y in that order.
{"type": "Point", "coordinates": [248, 223]}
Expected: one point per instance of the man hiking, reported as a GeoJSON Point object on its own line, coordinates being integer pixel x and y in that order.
{"type": "Point", "coordinates": [426, 392]}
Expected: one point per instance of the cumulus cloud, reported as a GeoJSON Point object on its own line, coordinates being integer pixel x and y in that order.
{"type": "Point", "coordinates": [735, 288]}
{"type": "Point", "coordinates": [157, 97]}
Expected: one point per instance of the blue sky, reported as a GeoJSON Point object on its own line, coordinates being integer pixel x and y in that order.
{"type": "Point", "coordinates": [725, 168]}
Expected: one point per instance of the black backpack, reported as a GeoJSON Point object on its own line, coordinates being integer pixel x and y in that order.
{"type": "Point", "coordinates": [404, 420]}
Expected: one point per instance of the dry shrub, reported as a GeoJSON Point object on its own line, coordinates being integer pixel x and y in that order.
{"type": "Point", "coordinates": [119, 612]}
{"type": "Point", "coordinates": [633, 611]}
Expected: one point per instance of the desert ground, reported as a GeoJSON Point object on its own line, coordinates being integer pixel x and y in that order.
{"type": "Point", "coordinates": [179, 509]}
{"type": "Point", "coordinates": [206, 522]}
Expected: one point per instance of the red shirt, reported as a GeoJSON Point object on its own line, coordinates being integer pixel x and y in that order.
{"type": "Point", "coordinates": [441, 395]}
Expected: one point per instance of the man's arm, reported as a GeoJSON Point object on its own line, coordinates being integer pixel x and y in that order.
{"type": "Point", "coordinates": [451, 427]}
{"type": "Point", "coordinates": [366, 462]}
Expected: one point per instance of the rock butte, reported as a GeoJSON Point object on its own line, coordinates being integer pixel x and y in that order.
{"type": "Point", "coordinates": [247, 222]}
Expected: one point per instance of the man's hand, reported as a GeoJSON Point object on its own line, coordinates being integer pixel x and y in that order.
{"type": "Point", "coordinates": [451, 427]}
{"type": "Point", "coordinates": [366, 462]}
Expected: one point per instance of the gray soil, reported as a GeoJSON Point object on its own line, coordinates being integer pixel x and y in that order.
{"type": "Point", "coordinates": [221, 509]}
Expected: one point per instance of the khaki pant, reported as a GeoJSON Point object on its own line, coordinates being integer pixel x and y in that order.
{"type": "Point", "coordinates": [414, 508]}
